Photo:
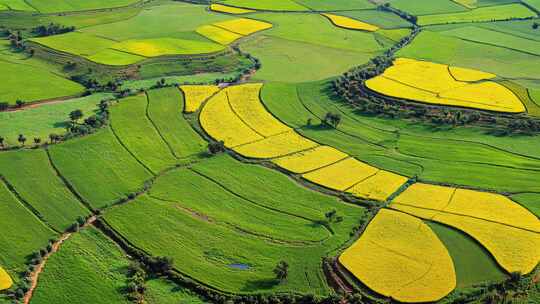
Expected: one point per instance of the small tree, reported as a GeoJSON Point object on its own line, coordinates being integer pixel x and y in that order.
{"type": "Point", "coordinates": [331, 215]}
{"type": "Point", "coordinates": [37, 141]}
{"type": "Point", "coordinates": [281, 271]}
{"type": "Point", "coordinates": [21, 139]}
{"type": "Point", "coordinates": [216, 147]}
{"type": "Point", "coordinates": [4, 106]}
{"type": "Point", "coordinates": [2, 139]}
{"type": "Point", "coordinates": [75, 115]}
{"type": "Point", "coordinates": [535, 25]}
{"type": "Point", "coordinates": [20, 103]}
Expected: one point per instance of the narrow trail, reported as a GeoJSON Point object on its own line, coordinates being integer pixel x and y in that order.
{"type": "Point", "coordinates": [34, 276]}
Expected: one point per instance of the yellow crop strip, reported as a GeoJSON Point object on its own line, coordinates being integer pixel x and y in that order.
{"type": "Point", "coordinates": [243, 26]}
{"type": "Point", "coordinates": [218, 34]}
{"type": "Point", "coordinates": [341, 175]}
{"type": "Point", "coordinates": [244, 100]}
{"type": "Point", "coordinates": [433, 83]}
{"type": "Point", "coordinates": [426, 196]}
{"type": "Point", "coordinates": [310, 160]}
{"type": "Point", "coordinates": [278, 145]}
{"type": "Point", "coordinates": [349, 23]}
{"type": "Point", "coordinates": [5, 280]}
{"type": "Point", "coordinates": [195, 95]}
{"type": "Point", "coordinates": [229, 9]}
{"type": "Point", "coordinates": [379, 187]}
{"type": "Point", "coordinates": [399, 256]}
{"type": "Point", "coordinates": [220, 122]}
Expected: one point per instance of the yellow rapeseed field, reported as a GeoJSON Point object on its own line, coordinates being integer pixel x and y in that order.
{"type": "Point", "coordinates": [217, 34]}
{"type": "Point", "coordinates": [5, 280]}
{"type": "Point", "coordinates": [275, 146]}
{"type": "Point", "coordinates": [244, 100]}
{"type": "Point", "coordinates": [243, 26]}
{"type": "Point", "coordinates": [379, 187]}
{"type": "Point", "coordinates": [426, 196]}
{"type": "Point", "coordinates": [433, 83]}
{"type": "Point", "coordinates": [349, 23]}
{"type": "Point", "coordinates": [493, 207]}
{"type": "Point", "coordinates": [516, 250]}
{"type": "Point", "coordinates": [469, 75]}
{"type": "Point", "coordinates": [399, 256]}
{"type": "Point", "coordinates": [310, 160]}
{"type": "Point", "coordinates": [229, 9]}
{"type": "Point", "coordinates": [220, 122]}
{"type": "Point", "coordinates": [195, 95]}
{"type": "Point", "coordinates": [341, 175]}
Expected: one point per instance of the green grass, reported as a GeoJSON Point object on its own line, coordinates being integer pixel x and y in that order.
{"type": "Point", "coordinates": [533, 3]}
{"type": "Point", "coordinates": [16, 5]}
{"type": "Point", "coordinates": [76, 43]}
{"type": "Point", "coordinates": [535, 96]}
{"type": "Point", "coordinates": [82, 20]}
{"type": "Point", "coordinates": [130, 123]}
{"type": "Point", "coordinates": [35, 180]}
{"type": "Point", "coordinates": [291, 61]}
{"type": "Point", "coordinates": [169, 80]}
{"type": "Point", "coordinates": [488, 13]}
{"type": "Point", "coordinates": [22, 233]}
{"type": "Point", "coordinates": [56, 6]}
{"type": "Point", "coordinates": [324, 5]}
{"type": "Point", "coordinates": [205, 249]}
{"type": "Point", "coordinates": [424, 7]}
{"type": "Point", "coordinates": [98, 161]}
{"type": "Point", "coordinates": [160, 291]}
{"type": "Point", "coordinates": [381, 19]}
{"type": "Point", "coordinates": [271, 5]}
{"type": "Point", "coordinates": [45, 119]}
{"type": "Point", "coordinates": [165, 110]}
{"type": "Point", "coordinates": [88, 268]}
{"type": "Point", "coordinates": [30, 83]}
{"type": "Point", "coordinates": [473, 264]}
{"type": "Point", "coordinates": [530, 201]}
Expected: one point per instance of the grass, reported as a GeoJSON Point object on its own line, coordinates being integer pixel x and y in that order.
{"type": "Point", "coordinates": [206, 249]}
{"type": "Point", "coordinates": [489, 13]}
{"type": "Point", "coordinates": [529, 201]}
{"type": "Point", "coordinates": [424, 7]}
{"type": "Point", "coordinates": [270, 5]}
{"type": "Point", "coordinates": [160, 291]}
{"type": "Point", "coordinates": [76, 43]}
{"type": "Point", "coordinates": [137, 133]}
{"type": "Point", "coordinates": [472, 262]}
{"type": "Point", "coordinates": [45, 193]}
{"type": "Point", "coordinates": [22, 233]}
{"type": "Point", "coordinates": [323, 5]}
{"type": "Point", "coordinates": [535, 96]}
{"type": "Point", "coordinates": [98, 161]}
{"type": "Point", "coordinates": [30, 83]}
{"type": "Point", "coordinates": [382, 19]}
{"type": "Point", "coordinates": [16, 5]}
{"type": "Point", "coordinates": [45, 119]}
{"type": "Point", "coordinates": [169, 80]}
{"type": "Point", "coordinates": [56, 6]}
{"type": "Point", "coordinates": [82, 19]}
{"type": "Point", "coordinates": [165, 110]}
{"type": "Point", "coordinates": [87, 268]}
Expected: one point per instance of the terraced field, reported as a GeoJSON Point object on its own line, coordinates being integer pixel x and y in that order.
{"type": "Point", "coordinates": [284, 151]}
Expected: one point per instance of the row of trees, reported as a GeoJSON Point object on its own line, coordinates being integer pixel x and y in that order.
{"type": "Point", "coordinates": [51, 29]}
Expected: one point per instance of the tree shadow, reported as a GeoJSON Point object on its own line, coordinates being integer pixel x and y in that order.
{"type": "Point", "coordinates": [255, 285]}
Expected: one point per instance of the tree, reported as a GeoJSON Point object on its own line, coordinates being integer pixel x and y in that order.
{"type": "Point", "coordinates": [20, 103]}
{"type": "Point", "coordinates": [53, 138]}
{"type": "Point", "coordinates": [535, 25]}
{"type": "Point", "coordinates": [21, 139]}
{"type": "Point", "coordinates": [331, 215]}
{"type": "Point", "coordinates": [216, 147]}
{"type": "Point", "coordinates": [332, 119]}
{"type": "Point", "coordinates": [4, 106]}
{"type": "Point", "coordinates": [281, 271]}
{"type": "Point", "coordinates": [37, 141]}
{"type": "Point", "coordinates": [2, 139]}
{"type": "Point", "coordinates": [76, 115]}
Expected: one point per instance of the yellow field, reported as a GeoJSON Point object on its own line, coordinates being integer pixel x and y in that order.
{"type": "Point", "coordinates": [229, 9]}
{"type": "Point", "coordinates": [218, 34]}
{"type": "Point", "coordinates": [243, 26]}
{"type": "Point", "coordinates": [492, 207]}
{"type": "Point", "coordinates": [463, 74]}
{"type": "Point", "coordinates": [426, 196]}
{"type": "Point", "coordinates": [379, 187]}
{"type": "Point", "coordinates": [341, 175]}
{"type": "Point", "coordinates": [195, 95]}
{"type": "Point", "coordinates": [275, 146]}
{"type": "Point", "coordinates": [220, 122]}
{"type": "Point", "coordinates": [5, 280]}
{"type": "Point", "coordinates": [310, 160]}
{"type": "Point", "coordinates": [432, 83]}
{"type": "Point", "coordinates": [350, 23]}
{"type": "Point", "coordinates": [467, 3]}
{"type": "Point", "coordinates": [244, 100]}
{"type": "Point", "coordinates": [400, 257]}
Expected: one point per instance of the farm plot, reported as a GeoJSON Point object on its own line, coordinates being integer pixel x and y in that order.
{"type": "Point", "coordinates": [165, 111]}
{"type": "Point", "coordinates": [45, 119]}
{"type": "Point", "coordinates": [15, 5]}
{"type": "Point", "coordinates": [36, 182]}
{"type": "Point", "coordinates": [160, 291]}
{"type": "Point", "coordinates": [378, 18]}
{"type": "Point", "coordinates": [88, 267]}
{"type": "Point", "coordinates": [424, 7]}
{"type": "Point", "coordinates": [22, 233]}
{"type": "Point", "coordinates": [57, 6]}
{"type": "Point", "coordinates": [433, 83]}
{"type": "Point", "coordinates": [30, 83]}
{"type": "Point", "coordinates": [5, 280]}
{"type": "Point", "coordinates": [138, 135]}
{"type": "Point", "coordinates": [229, 9]}
{"type": "Point", "coordinates": [99, 161]}
{"type": "Point", "coordinates": [348, 23]}
{"type": "Point", "coordinates": [488, 13]}
{"type": "Point", "coordinates": [323, 5]}
{"type": "Point", "coordinates": [400, 257]}
{"type": "Point", "coordinates": [267, 5]}
{"type": "Point", "coordinates": [493, 220]}
{"type": "Point", "coordinates": [195, 95]}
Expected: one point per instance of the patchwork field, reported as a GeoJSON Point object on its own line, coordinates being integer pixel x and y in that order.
{"type": "Point", "coordinates": [269, 151]}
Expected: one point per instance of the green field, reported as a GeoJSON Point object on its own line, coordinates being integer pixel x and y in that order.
{"type": "Point", "coordinates": [424, 7]}
{"type": "Point", "coordinates": [270, 5]}
{"type": "Point", "coordinates": [45, 119]}
{"type": "Point", "coordinates": [159, 291]}
{"type": "Point", "coordinates": [489, 13]}
{"type": "Point", "coordinates": [56, 6]}
{"type": "Point", "coordinates": [381, 19]}
{"type": "Point", "coordinates": [87, 268]}
{"type": "Point", "coordinates": [46, 193]}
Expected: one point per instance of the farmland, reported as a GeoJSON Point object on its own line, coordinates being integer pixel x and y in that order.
{"type": "Point", "coordinates": [269, 151]}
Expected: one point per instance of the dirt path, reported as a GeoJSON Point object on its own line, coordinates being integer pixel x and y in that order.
{"type": "Point", "coordinates": [39, 268]}
{"type": "Point", "coordinates": [36, 104]}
